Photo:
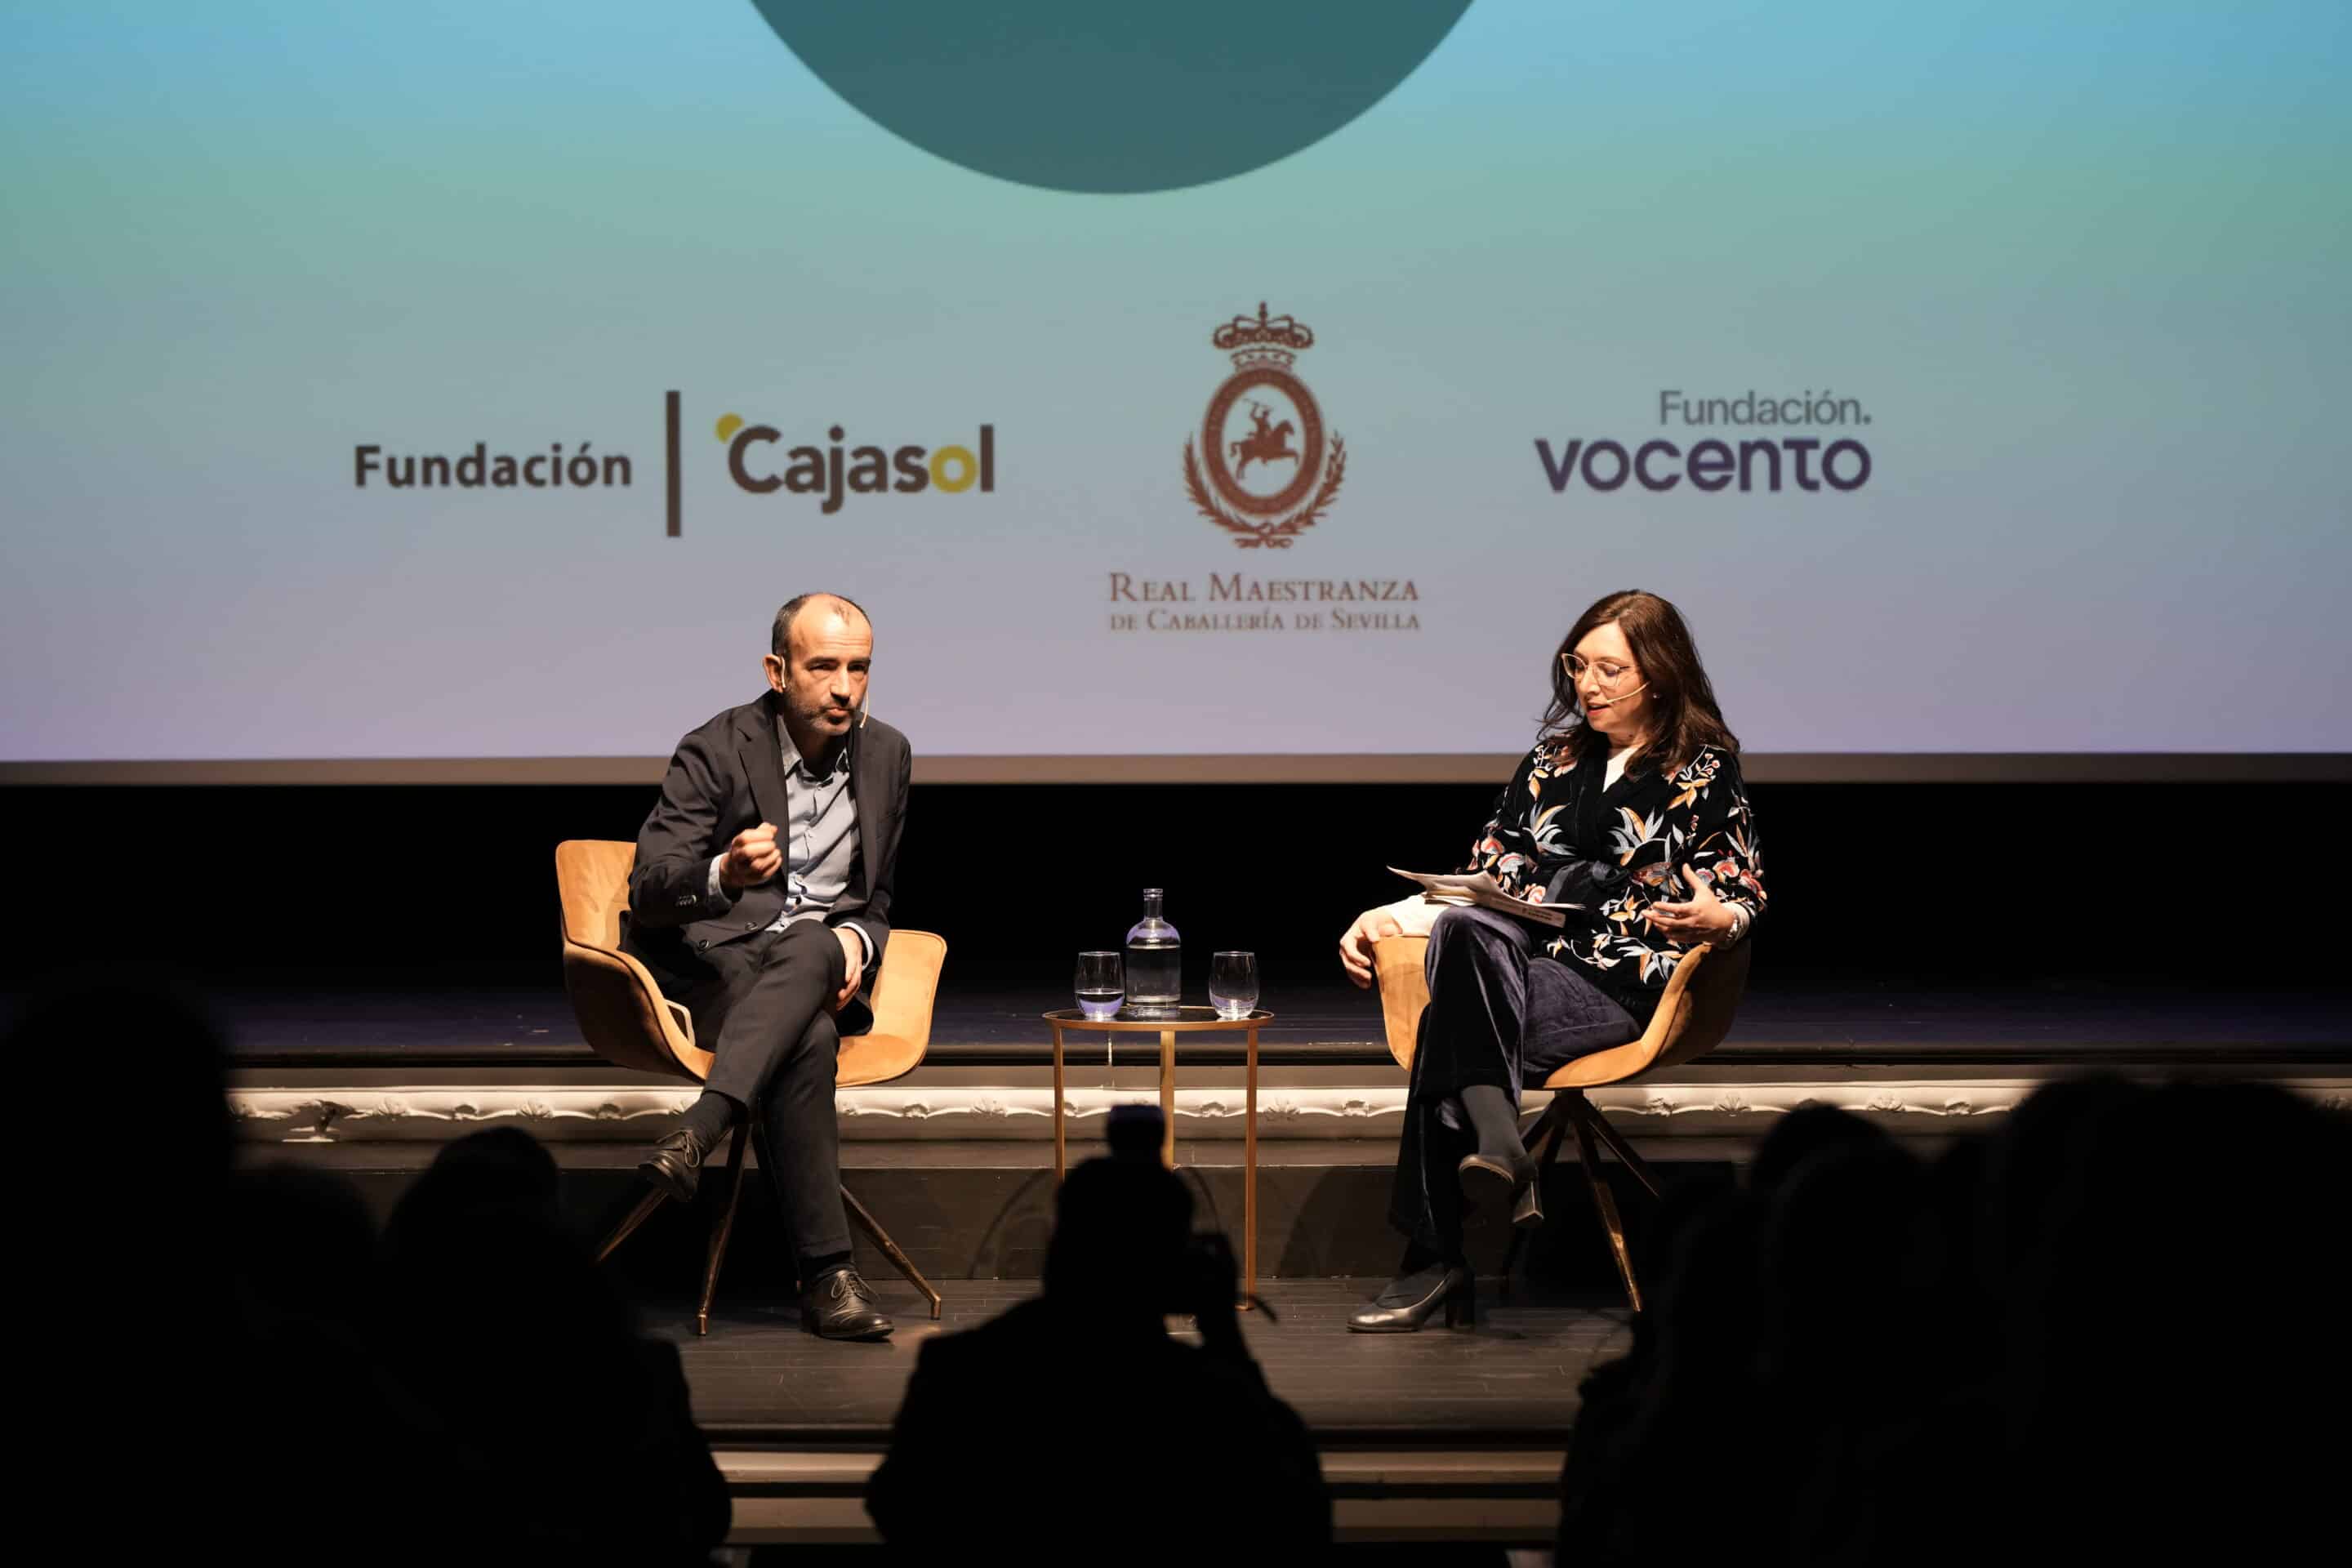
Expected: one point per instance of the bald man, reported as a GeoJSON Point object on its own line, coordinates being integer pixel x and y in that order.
{"type": "Point", "coordinates": [761, 902]}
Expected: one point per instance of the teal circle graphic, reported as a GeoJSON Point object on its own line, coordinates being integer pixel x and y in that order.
{"type": "Point", "coordinates": [1112, 95]}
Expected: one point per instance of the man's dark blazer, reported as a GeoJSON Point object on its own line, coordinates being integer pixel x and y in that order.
{"type": "Point", "coordinates": [726, 776]}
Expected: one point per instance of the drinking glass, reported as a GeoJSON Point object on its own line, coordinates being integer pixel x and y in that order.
{"type": "Point", "coordinates": [1233, 984]}
{"type": "Point", "coordinates": [1102, 984]}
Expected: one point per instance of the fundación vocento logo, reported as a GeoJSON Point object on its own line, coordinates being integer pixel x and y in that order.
{"type": "Point", "coordinates": [836, 471]}
{"type": "Point", "coordinates": [1740, 461]}
{"type": "Point", "coordinates": [1265, 467]}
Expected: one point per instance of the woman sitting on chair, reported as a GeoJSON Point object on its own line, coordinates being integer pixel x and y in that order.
{"type": "Point", "coordinates": [1630, 808]}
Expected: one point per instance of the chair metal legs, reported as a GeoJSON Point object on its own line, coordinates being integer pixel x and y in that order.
{"type": "Point", "coordinates": [1570, 1112]}
{"type": "Point", "coordinates": [1588, 1150]}
{"type": "Point", "coordinates": [899, 1259]}
{"type": "Point", "coordinates": [637, 1216]}
{"type": "Point", "coordinates": [1589, 1115]}
{"type": "Point", "coordinates": [726, 1225]}
{"type": "Point", "coordinates": [655, 1197]}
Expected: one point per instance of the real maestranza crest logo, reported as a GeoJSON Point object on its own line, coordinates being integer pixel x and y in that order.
{"type": "Point", "coordinates": [1265, 466]}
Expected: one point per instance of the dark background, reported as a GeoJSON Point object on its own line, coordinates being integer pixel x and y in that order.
{"type": "Point", "coordinates": [2145, 886]}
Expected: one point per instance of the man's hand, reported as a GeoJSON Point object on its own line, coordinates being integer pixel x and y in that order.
{"type": "Point", "coordinates": [1355, 947]}
{"type": "Point", "coordinates": [853, 965]}
{"type": "Point", "coordinates": [1703, 918]}
{"type": "Point", "coordinates": [753, 859]}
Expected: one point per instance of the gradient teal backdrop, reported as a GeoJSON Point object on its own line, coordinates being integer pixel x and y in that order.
{"type": "Point", "coordinates": [2083, 267]}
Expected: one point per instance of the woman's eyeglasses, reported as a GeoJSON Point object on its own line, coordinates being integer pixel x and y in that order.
{"type": "Point", "coordinates": [1611, 675]}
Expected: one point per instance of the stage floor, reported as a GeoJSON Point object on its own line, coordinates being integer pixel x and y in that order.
{"type": "Point", "coordinates": [461, 1028]}
{"type": "Point", "coordinates": [758, 1379]}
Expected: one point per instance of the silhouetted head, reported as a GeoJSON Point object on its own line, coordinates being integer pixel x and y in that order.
{"type": "Point", "coordinates": [1958, 1185]}
{"type": "Point", "coordinates": [500, 1167]}
{"type": "Point", "coordinates": [165, 1120]}
{"type": "Point", "coordinates": [1121, 1224]}
{"type": "Point", "coordinates": [150, 1036]}
{"type": "Point", "coordinates": [2039, 1156]}
{"type": "Point", "coordinates": [2253, 1171]}
{"type": "Point", "coordinates": [1706, 1299]}
{"type": "Point", "coordinates": [1850, 1254]}
{"type": "Point", "coordinates": [500, 1320]}
{"type": "Point", "coordinates": [479, 1252]}
{"type": "Point", "coordinates": [1801, 1134]}
{"type": "Point", "coordinates": [2136, 1219]}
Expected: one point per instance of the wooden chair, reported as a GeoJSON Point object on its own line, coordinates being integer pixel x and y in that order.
{"type": "Point", "coordinates": [1693, 1015]}
{"type": "Point", "coordinates": [627, 1020]}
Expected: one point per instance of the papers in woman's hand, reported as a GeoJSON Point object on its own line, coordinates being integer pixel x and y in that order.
{"type": "Point", "coordinates": [1483, 891]}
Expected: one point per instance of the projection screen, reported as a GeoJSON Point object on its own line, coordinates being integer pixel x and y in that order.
{"type": "Point", "coordinates": [441, 391]}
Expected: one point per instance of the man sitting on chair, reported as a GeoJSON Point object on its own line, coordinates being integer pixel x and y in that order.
{"type": "Point", "coordinates": [761, 902]}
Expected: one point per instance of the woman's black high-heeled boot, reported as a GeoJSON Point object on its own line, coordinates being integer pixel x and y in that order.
{"type": "Point", "coordinates": [1502, 1173]}
{"type": "Point", "coordinates": [1411, 1301]}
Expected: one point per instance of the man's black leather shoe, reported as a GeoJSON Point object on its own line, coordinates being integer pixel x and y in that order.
{"type": "Point", "coordinates": [838, 1305]}
{"type": "Point", "coordinates": [675, 1164]}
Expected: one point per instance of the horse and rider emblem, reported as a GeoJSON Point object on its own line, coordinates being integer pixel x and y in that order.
{"type": "Point", "coordinates": [1263, 467]}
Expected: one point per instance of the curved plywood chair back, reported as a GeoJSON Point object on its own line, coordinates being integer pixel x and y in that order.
{"type": "Point", "coordinates": [1693, 1016]}
{"type": "Point", "coordinates": [627, 1020]}
{"type": "Point", "coordinates": [623, 1014]}
{"type": "Point", "coordinates": [591, 884]}
{"type": "Point", "coordinates": [901, 1000]}
{"type": "Point", "coordinates": [1399, 967]}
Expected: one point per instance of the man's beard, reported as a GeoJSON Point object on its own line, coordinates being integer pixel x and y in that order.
{"type": "Point", "coordinates": [811, 716]}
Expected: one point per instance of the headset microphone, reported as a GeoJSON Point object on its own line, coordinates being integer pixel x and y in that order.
{"type": "Point", "coordinates": [1621, 696]}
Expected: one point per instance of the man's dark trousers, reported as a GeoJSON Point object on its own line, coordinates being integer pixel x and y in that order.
{"type": "Point", "coordinates": [762, 1001]}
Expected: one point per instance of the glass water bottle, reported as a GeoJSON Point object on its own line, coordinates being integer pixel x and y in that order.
{"type": "Point", "coordinates": [1155, 959]}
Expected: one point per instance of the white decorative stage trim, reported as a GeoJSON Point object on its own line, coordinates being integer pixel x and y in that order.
{"type": "Point", "coordinates": [428, 1113]}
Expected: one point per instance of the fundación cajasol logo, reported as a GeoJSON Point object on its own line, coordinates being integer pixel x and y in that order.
{"type": "Point", "coordinates": [836, 472]}
{"type": "Point", "coordinates": [1263, 465]}
{"type": "Point", "coordinates": [832, 472]}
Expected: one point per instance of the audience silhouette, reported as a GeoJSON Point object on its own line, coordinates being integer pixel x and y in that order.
{"type": "Point", "coordinates": [1077, 1414]}
{"type": "Point", "coordinates": [563, 1434]}
{"type": "Point", "coordinates": [2107, 1329]}
{"type": "Point", "coordinates": [467, 1388]}
{"type": "Point", "coordinates": [2112, 1327]}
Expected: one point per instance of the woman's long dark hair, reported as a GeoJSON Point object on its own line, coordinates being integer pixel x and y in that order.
{"type": "Point", "coordinates": [1668, 661]}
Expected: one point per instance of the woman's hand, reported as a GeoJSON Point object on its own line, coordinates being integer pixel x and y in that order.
{"type": "Point", "coordinates": [1703, 918]}
{"type": "Point", "coordinates": [1355, 947]}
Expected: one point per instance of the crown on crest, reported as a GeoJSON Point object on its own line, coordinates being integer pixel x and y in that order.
{"type": "Point", "coordinates": [1268, 339]}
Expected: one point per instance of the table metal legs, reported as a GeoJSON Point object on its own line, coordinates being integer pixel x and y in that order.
{"type": "Point", "coordinates": [1168, 1097]}
{"type": "Point", "coordinates": [1167, 1137]}
{"type": "Point", "coordinates": [1059, 1153]}
{"type": "Point", "coordinates": [1249, 1183]}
